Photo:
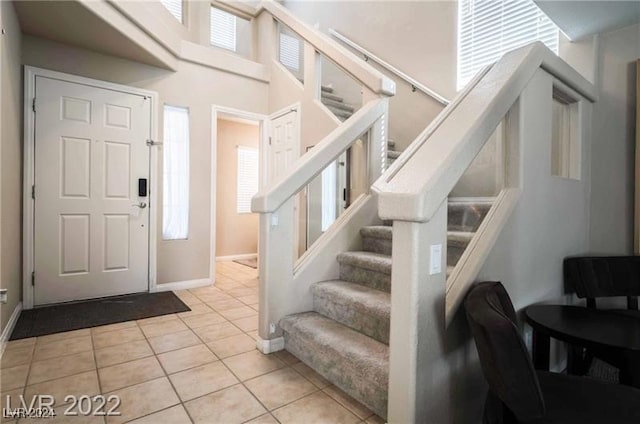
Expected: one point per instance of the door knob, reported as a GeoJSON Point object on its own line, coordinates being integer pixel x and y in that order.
{"type": "Point", "coordinates": [140, 205]}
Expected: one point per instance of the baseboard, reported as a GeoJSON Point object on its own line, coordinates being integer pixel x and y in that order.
{"type": "Point", "coordinates": [183, 285]}
{"type": "Point", "coordinates": [8, 329]}
{"type": "Point", "coordinates": [270, 346]}
{"type": "Point", "coordinates": [236, 257]}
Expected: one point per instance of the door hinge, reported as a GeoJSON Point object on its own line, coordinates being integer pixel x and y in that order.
{"type": "Point", "coordinates": [33, 104]}
{"type": "Point", "coordinates": [33, 278]}
{"type": "Point", "coordinates": [33, 191]}
{"type": "Point", "coordinates": [269, 141]}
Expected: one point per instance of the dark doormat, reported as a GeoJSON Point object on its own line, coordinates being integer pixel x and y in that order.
{"type": "Point", "coordinates": [251, 262]}
{"type": "Point", "coordinates": [92, 313]}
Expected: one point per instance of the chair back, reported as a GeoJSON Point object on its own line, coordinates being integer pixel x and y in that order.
{"type": "Point", "coordinates": [504, 358]}
{"type": "Point", "coordinates": [593, 277]}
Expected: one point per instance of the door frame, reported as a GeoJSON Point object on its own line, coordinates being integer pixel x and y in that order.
{"type": "Point", "coordinates": [217, 112]}
{"type": "Point", "coordinates": [28, 204]}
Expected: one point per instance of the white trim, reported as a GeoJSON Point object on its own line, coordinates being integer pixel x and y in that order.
{"type": "Point", "coordinates": [30, 74]}
{"type": "Point", "coordinates": [220, 112]}
{"type": "Point", "coordinates": [183, 285]}
{"type": "Point", "coordinates": [236, 257]}
{"type": "Point", "coordinates": [8, 329]}
{"type": "Point", "coordinates": [270, 346]}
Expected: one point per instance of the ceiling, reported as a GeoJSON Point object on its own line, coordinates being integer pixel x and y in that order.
{"type": "Point", "coordinates": [71, 23]}
{"type": "Point", "coordinates": [580, 18]}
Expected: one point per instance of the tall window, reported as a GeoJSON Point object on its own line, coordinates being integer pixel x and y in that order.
{"type": "Point", "coordinates": [290, 51]}
{"type": "Point", "coordinates": [489, 28]}
{"type": "Point", "coordinates": [223, 29]}
{"type": "Point", "coordinates": [174, 7]}
{"type": "Point", "coordinates": [175, 207]}
{"type": "Point", "coordinates": [247, 178]}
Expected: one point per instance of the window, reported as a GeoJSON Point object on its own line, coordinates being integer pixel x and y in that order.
{"type": "Point", "coordinates": [223, 29]}
{"type": "Point", "coordinates": [290, 52]}
{"type": "Point", "coordinates": [174, 7]}
{"type": "Point", "coordinates": [488, 28]}
{"type": "Point", "coordinates": [565, 140]}
{"type": "Point", "coordinates": [175, 208]}
{"type": "Point", "coordinates": [247, 178]}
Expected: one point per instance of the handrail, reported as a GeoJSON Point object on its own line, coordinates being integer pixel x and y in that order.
{"type": "Point", "coordinates": [419, 187]}
{"type": "Point", "coordinates": [415, 84]}
{"type": "Point", "coordinates": [422, 138]}
{"type": "Point", "coordinates": [370, 77]}
{"type": "Point", "coordinates": [313, 163]}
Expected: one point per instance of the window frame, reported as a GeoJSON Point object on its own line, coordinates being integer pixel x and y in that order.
{"type": "Point", "coordinates": [167, 147]}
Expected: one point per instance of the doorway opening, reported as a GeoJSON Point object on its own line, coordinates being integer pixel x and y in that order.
{"type": "Point", "coordinates": [239, 139]}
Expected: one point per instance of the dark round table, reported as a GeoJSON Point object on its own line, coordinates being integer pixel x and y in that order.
{"type": "Point", "coordinates": [595, 329]}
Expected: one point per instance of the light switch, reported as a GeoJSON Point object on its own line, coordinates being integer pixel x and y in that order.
{"type": "Point", "coordinates": [435, 260]}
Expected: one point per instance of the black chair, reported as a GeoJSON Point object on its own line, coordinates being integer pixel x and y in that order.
{"type": "Point", "coordinates": [520, 394]}
{"type": "Point", "coordinates": [608, 276]}
{"type": "Point", "coordinates": [593, 277]}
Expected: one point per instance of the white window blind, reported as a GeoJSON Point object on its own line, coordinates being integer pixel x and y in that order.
{"type": "Point", "coordinates": [290, 51]}
{"type": "Point", "coordinates": [175, 7]}
{"type": "Point", "coordinates": [175, 199]}
{"type": "Point", "coordinates": [489, 28]}
{"type": "Point", "coordinates": [247, 177]}
{"type": "Point", "coordinates": [223, 29]}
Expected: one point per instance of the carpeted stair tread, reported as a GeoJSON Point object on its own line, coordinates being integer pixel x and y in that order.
{"type": "Point", "coordinates": [338, 105]}
{"type": "Point", "coordinates": [367, 260]}
{"type": "Point", "coordinates": [393, 154]}
{"type": "Point", "coordinates": [357, 364]}
{"type": "Point", "coordinates": [327, 89]}
{"type": "Point", "coordinates": [333, 97]}
{"type": "Point", "coordinates": [377, 231]}
{"type": "Point", "coordinates": [377, 239]}
{"type": "Point", "coordinates": [361, 308]}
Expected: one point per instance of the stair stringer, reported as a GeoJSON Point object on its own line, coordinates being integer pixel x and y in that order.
{"type": "Point", "coordinates": [319, 263]}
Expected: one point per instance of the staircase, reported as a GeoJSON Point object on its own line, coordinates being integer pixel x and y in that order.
{"type": "Point", "coordinates": [346, 337]}
{"type": "Point", "coordinates": [343, 111]}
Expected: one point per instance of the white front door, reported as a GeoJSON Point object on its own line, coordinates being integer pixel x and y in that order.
{"type": "Point", "coordinates": [91, 235]}
{"type": "Point", "coordinates": [284, 142]}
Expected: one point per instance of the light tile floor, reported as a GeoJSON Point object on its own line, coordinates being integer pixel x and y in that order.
{"type": "Point", "coordinates": [194, 367]}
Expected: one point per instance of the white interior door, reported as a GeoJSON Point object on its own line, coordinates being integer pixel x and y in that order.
{"type": "Point", "coordinates": [284, 149]}
{"type": "Point", "coordinates": [91, 226]}
{"type": "Point", "coordinates": [284, 142]}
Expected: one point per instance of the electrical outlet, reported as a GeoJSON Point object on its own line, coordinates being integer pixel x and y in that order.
{"type": "Point", "coordinates": [3, 295]}
{"type": "Point", "coordinates": [272, 328]}
{"type": "Point", "coordinates": [274, 220]}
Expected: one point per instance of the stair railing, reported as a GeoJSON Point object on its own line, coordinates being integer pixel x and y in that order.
{"type": "Point", "coordinates": [369, 56]}
{"type": "Point", "coordinates": [285, 275]}
{"type": "Point", "coordinates": [413, 194]}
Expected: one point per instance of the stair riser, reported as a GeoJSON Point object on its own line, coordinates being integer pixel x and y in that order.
{"type": "Point", "coordinates": [330, 364]}
{"type": "Point", "coordinates": [371, 325]}
{"type": "Point", "coordinates": [377, 245]}
{"type": "Point", "coordinates": [373, 279]}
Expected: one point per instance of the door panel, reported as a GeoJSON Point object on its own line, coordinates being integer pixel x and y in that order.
{"type": "Point", "coordinates": [91, 238]}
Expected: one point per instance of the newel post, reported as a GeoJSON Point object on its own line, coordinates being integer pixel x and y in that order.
{"type": "Point", "coordinates": [418, 375]}
{"type": "Point", "coordinates": [275, 273]}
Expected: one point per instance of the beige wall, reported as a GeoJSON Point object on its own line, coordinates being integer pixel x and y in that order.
{"type": "Point", "coordinates": [10, 160]}
{"type": "Point", "coordinates": [192, 86]}
{"type": "Point", "coordinates": [236, 234]}
{"type": "Point", "coordinates": [418, 38]}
